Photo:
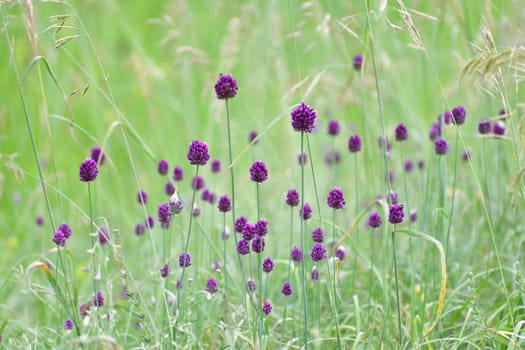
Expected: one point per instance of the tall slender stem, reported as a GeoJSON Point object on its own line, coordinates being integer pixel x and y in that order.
{"type": "Point", "coordinates": [303, 271]}
{"type": "Point", "coordinates": [334, 286]}
{"type": "Point", "coordinates": [450, 220]}
{"type": "Point", "coordinates": [396, 276]}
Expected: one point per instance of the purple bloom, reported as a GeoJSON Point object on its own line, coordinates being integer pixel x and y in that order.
{"type": "Point", "coordinates": [68, 324]}
{"type": "Point", "coordinates": [268, 265]}
{"type": "Point", "coordinates": [374, 220]}
{"type": "Point", "coordinates": [211, 285]}
{"type": "Point", "coordinates": [225, 204]}
{"type": "Point", "coordinates": [197, 183]}
{"type": "Point", "coordinates": [252, 136]}
{"type": "Point", "coordinates": [393, 197]}
{"type": "Point", "coordinates": [84, 310]}
{"type": "Point", "coordinates": [335, 198]}
{"type": "Point", "coordinates": [240, 222]}
{"type": "Point", "coordinates": [318, 252]}
{"type": "Point", "coordinates": [215, 166]}
{"type": "Point", "coordinates": [98, 299]}
{"type": "Point", "coordinates": [258, 244]}
{"type": "Point", "coordinates": [466, 155]}
{"type": "Point", "coordinates": [315, 274]}
{"type": "Point", "coordinates": [212, 197]}
{"type": "Point", "coordinates": [333, 127]}
{"type": "Point", "coordinates": [409, 165]}
{"type": "Point", "coordinates": [185, 260]}
{"type": "Point", "coordinates": [332, 157]}
{"type": "Point", "coordinates": [258, 171]}
{"type": "Point", "coordinates": [354, 143]}
{"type": "Point", "coordinates": [499, 128]}
{"type": "Point", "coordinates": [318, 235]}
{"type": "Point", "coordinates": [226, 87]}
{"type": "Point", "coordinates": [381, 142]}
{"type": "Point", "coordinates": [296, 254]}
{"type": "Point", "coordinates": [243, 247]}
{"type": "Point", "coordinates": [340, 253]}
{"type": "Point", "coordinates": [178, 173]}
{"type": "Point", "coordinates": [266, 307]}
{"type": "Point", "coordinates": [302, 158]}
{"type": "Point", "coordinates": [198, 153]}
{"type": "Point", "coordinates": [103, 235]}
{"type": "Point", "coordinates": [59, 238]}
{"type": "Point", "coordinates": [142, 197]}
{"type": "Point", "coordinates": [458, 115]}
{"type": "Point", "coordinates": [97, 155]}
{"type": "Point", "coordinates": [303, 118]}
{"type": "Point", "coordinates": [215, 265]}
{"type": "Point", "coordinates": [196, 210]}
{"type": "Point", "coordinates": [441, 147]}
{"type": "Point", "coordinates": [249, 231]}
{"type": "Point", "coordinates": [261, 227]}
{"type": "Point", "coordinates": [164, 271]}
{"type": "Point", "coordinates": [169, 188]}
{"type": "Point", "coordinates": [205, 195]}
{"type": "Point", "coordinates": [447, 116]}
{"type": "Point", "coordinates": [178, 284]}
{"type": "Point", "coordinates": [421, 164]}
{"type": "Point", "coordinates": [358, 62]}
{"type": "Point", "coordinates": [65, 229]}
{"type": "Point", "coordinates": [88, 170]}
{"type": "Point", "coordinates": [292, 197]}
{"type": "Point", "coordinates": [413, 216]}
{"type": "Point", "coordinates": [163, 167]}
{"type": "Point", "coordinates": [306, 212]}
{"type": "Point", "coordinates": [164, 214]}
{"type": "Point", "coordinates": [484, 126]}
{"type": "Point", "coordinates": [40, 220]}
{"type": "Point", "coordinates": [140, 229]}
{"type": "Point", "coordinates": [401, 132]}
{"type": "Point", "coordinates": [175, 206]}
{"type": "Point", "coordinates": [251, 284]}
{"type": "Point", "coordinates": [435, 131]}
{"type": "Point", "coordinates": [287, 289]}
{"type": "Point", "coordinates": [396, 214]}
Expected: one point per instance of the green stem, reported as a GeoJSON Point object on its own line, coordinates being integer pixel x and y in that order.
{"type": "Point", "coordinates": [303, 270]}
{"type": "Point", "coordinates": [334, 298]}
{"type": "Point", "coordinates": [396, 276]}
{"type": "Point", "coordinates": [450, 219]}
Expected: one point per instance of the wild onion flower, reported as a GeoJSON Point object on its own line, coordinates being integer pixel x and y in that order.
{"type": "Point", "coordinates": [97, 155]}
{"type": "Point", "coordinates": [286, 289]}
{"type": "Point", "coordinates": [142, 197]}
{"type": "Point", "coordinates": [393, 197]}
{"type": "Point", "coordinates": [211, 285]}
{"type": "Point", "coordinates": [354, 143]}
{"type": "Point", "coordinates": [163, 167]}
{"type": "Point", "coordinates": [261, 227]}
{"type": "Point", "coordinates": [215, 265]}
{"type": "Point", "coordinates": [68, 324]}
{"type": "Point", "coordinates": [466, 156]}
{"type": "Point", "coordinates": [266, 307]}
{"type": "Point", "coordinates": [164, 271]}
{"type": "Point", "coordinates": [84, 310]}
{"type": "Point", "coordinates": [421, 164]}
{"type": "Point", "coordinates": [318, 252]}
{"type": "Point", "coordinates": [333, 127]}
{"type": "Point", "coordinates": [140, 229]}
{"type": "Point", "coordinates": [401, 132]}
{"type": "Point", "coordinates": [197, 183]}
{"type": "Point", "coordinates": [409, 165]}
{"type": "Point", "coordinates": [196, 211]}
{"type": "Point", "coordinates": [243, 246]}
{"type": "Point", "coordinates": [252, 136]}
{"type": "Point", "coordinates": [335, 198]}
{"type": "Point", "coordinates": [413, 216]}
{"type": "Point", "coordinates": [88, 170]}
{"type": "Point", "coordinates": [251, 284]}
{"type": "Point", "coordinates": [164, 214]}
{"type": "Point", "coordinates": [315, 274]}
{"type": "Point", "coordinates": [292, 198]}
{"type": "Point", "coordinates": [175, 205]}
{"type": "Point", "coordinates": [458, 115]}
{"type": "Point", "coordinates": [65, 229]}
{"type": "Point", "coordinates": [435, 131]}
{"type": "Point", "coordinates": [268, 265]}
{"type": "Point", "coordinates": [40, 220]}
{"type": "Point", "coordinates": [225, 204]}
{"type": "Point", "coordinates": [226, 87]}
{"type": "Point", "coordinates": [332, 157]}
{"type": "Point", "coordinates": [258, 172]}
{"type": "Point", "coordinates": [306, 212]}
{"type": "Point", "coordinates": [303, 118]}
{"type": "Point", "coordinates": [198, 153]}
{"type": "Point", "coordinates": [169, 188]}
{"type": "Point", "coordinates": [59, 238]}
{"type": "Point", "coordinates": [396, 214]}
{"type": "Point", "coordinates": [499, 128]}
{"type": "Point", "coordinates": [215, 166]}
{"type": "Point", "coordinates": [318, 235]}
{"type": "Point", "coordinates": [258, 244]}
{"type": "Point", "coordinates": [240, 222]}
{"type": "Point", "coordinates": [205, 195]}
{"type": "Point", "coordinates": [441, 147]}
{"type": "Point", "coordinates": [302, 158]}
{"type": "Point", "coordinates": [374, 220]}
{"type": "Point", "coordinates": [358, 62]}
{"type": "Point", "coordinates": [185, 260]}
{"type": "Point", "coordinates": [484, 126]}
{"type": "Point", "coordinates": [296, 254]}
{"type": "Point", "coordinates": [249, 231]}
{"type": "Point", "coordinates": [447, 116]}
{"type": "Point", "coordinates": [382, 141]}
{"type": "Point", "coordinates": [103, 235]}
{"type": "Point", "coordinates": [340, 253]}
{"type": "Point", "coordinates": [178, 173]}
{"type": "Point", "coordinates": [98, 299]}
{"type": "Point", "coordinates": [225, 233]}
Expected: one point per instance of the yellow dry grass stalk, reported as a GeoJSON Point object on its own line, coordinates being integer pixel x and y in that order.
{"type": "Point", "coordinates": [29, 24]}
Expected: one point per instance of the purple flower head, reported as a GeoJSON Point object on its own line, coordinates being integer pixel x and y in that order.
{"type": "Point", "coordinates": [205, 195]}
{"type": "Point", "coordinates": [374, 220]}
{"type": "Point", "coordinates": [447, 116]}
{"type": "Point", "coordinates": [252, 136]}
{"type": "Point", "coordinates": [358, 62]}
{"type": "Point", "coordinates": [196, 211]}
{"type": "Point", "coordinates": [240, 222]}
{"type": "Point", "coordinates": [251, 284]}
{"type": "Point", "coordinates": [163, 167]}
{"type": "Point", "coordinates": [212, 197]}
{"type": "Point", "coordinates": [318, 235]}
{"type": "Point", "coordinates": [335, 198]}
{"type": "Point", "coordinates": [215, 265]}
{"type": "Point", "coordinates": [142, 197]}
{"type": "Point", "coordinates": [40, 220]}
{"type": "Point", "coordinates": [484, 126]}
{"type": "Point", "coordinates": [59, 238]}
{"type": "Point", "coordinates": [296, 254]}
{"type": "Point", "coordinates": [169, 188]}
{"type": "Point", "coordinates": [178, 284]}
{"type": "Point", "coordinates": [396, 214]}
{"type": "Point", "coordinates": [185, 260]}
{"type": "Point", "coordinates": [413, 216]}
{"type": "Point", "coordinates": [198, 153]}
{"type": "Point", "coordinates": [499, 128]}
{"type": "Point", "coordinates": [292, 197]}
{"type": "Point", "coordinates": [97, 155]}
{"type": "Point", "coordinates": [88, 170]}
{"type": "Point", "coordinates": [84, 310]}
{"type": "Point", "coordinates": [164, 213]}
{"type": "Point", "coordinates": [164, 271]}
{"type": "Point", "coordinates": [332, 157]}
{"type": "Point", "coordinates": [467, 155]}
{"type": "Point", "coordinates": [391, 176]}
{"type": "Point", "coordinates": [318, 252]}
{"type": "Point", "coordinates": [354, 143]}
{"type": "Point", "coordinates": [243, 246]}
{"type": "Point", "coordinates": [175, 205]}
{"type": "Point", "coordinates": [306, 212]}
{"type": "Point", "coordinates": [197, 183]}
{"type": "Point", "coordinates": [333, 127]}
{"type": "Point", "coordinates": [225, 204]}
{"type": "Point", "coordinates": [381, 142]}
{"type": "Point", "coordinates": [302, 158]}
{"type": "Point", "coordinates": [315, 274]}
{"type": "Point", "coordinates": [267, 307]}
{"type": "Point", "coordinates": [261, 227]}
{"type": "Point", "coordinates": [401, 132]}
{"type": "Point", "coordinates": [211, 285]}
{"type": "Point", "coordinates": [258, 244]}
{"type": "Point", "coordinates": [458, 115]}
{"type": "Point", "coordinates": [178, 173]}
{"type": "Point", "coordinates": [287, 289]}
{"type": "Point", "coordinates": [435, 131]}
{"type": "Point", "coordinates": [65, 229]}
{"type": "Point", "coordinates": [441, 147]}
{"type": "Point", "coordinates": [258, 172]}
{"type": "Point", "coordinates": [340, 253]}
{"type": "Point", "coordinates": [68, 324]}
{"type": "Point", "coordinates": [249, 231]}
{"type": "Point", "coordinates": [103, 235]}
{"type": "Point", "coordinates": [268, 265]}
{"type": "Point", "coordinates": [393, 197]}
{"type": "Point", "coordinates": [409, 165]}
{"type": "Point", "coordinates": [98, 299]}
{"type": "Point", "coordinates": [140, 229]}
{"type": "Point", "coordinates": [421, 164]}
{"type": "Point", "coordinates": [303, 118]}
{"type": "Point", "coordinates": [226, 87]}
{"type": "Point", "coordinates": [215, 166]}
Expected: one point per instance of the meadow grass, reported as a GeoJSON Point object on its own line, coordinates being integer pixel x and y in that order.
{"type": "Point", "coordinates": [138, 81]}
